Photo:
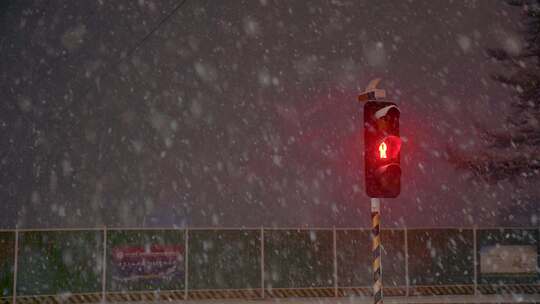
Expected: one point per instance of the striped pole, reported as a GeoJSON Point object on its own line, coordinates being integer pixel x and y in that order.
{"type": "Point", "coordinates": [104, 268]}
{"type": "Point", "coordinates": [15, 265]}
{"type": "Point", "coordinates": [376, 249]}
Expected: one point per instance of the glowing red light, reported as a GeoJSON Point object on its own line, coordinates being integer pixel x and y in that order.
{"type": "Point", "coordinates": [382, 150]}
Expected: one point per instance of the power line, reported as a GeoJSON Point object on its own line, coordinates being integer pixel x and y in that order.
{"type": "Point", "coordinates": [135, 47]}
{"type": "Point", "coordinates": [129, 53]}
{"type": "Point", "coordinates": [147, 36]}
{"type": "Point", "coordinates": [139, 43]}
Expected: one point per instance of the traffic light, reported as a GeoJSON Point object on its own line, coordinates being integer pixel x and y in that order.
{"type": "Point", "coordinates": [382, 148]}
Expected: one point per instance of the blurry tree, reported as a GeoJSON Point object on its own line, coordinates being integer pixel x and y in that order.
{"type": "Point", "coordinates": [513, 151]}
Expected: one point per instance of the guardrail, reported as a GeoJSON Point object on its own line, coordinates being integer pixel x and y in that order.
{"type": "Point", "coordinates": [110, 264]}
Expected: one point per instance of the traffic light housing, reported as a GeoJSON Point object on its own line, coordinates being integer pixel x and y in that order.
{"type": "Point", "coordinates": [382, 149]}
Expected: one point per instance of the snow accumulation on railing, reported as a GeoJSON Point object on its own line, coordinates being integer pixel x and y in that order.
{"type": "Point", "coordinates": [140, 264]}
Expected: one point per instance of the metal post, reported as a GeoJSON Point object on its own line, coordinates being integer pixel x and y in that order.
{"type": "Point", "coordinates": [475, 271]}
{"type": "Point", "coordinates": [336, 294]}
{"type": "Point", "coordinates": [376, 249]}
{"type": "Point", "coordinates": [15, 267]}
{"type": "Point", "coordinates": [186, 265]}
{"type": "Point", "coordinates": [407, 281]}
{"type": "Point", "coordinates": [262, 263]}
{"type": "Point", "coordinates": [104, 268]}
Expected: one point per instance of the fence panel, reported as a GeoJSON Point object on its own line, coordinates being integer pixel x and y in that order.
{"type": "Point", "coordinates": [144, 260]}
{"type": "Point", "coordinates": [7, 249]}
{"type": "Point", "coordinates": [298, 258]}
{"type": "Point", "coordinates": [297, 262]}
{"type": "Point", "coordinates": [441, 257]}
{"type": "Point", "coordinates": [58, 262]}
{"type": "Point", "coordinates": [508, 256]}
{"type": "Point", "coordinates": [393, 258]}
{"type": "Point", "coordinates": [224, 259]}
{"type": "Point", "coordinates": [355, 258]}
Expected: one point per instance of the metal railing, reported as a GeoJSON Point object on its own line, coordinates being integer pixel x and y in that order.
{"type": "Point", "coordinates": [257, 262]}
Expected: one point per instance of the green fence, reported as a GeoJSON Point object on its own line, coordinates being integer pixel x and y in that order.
{"type": "Point", "coordinates": [194, 261]}
{"type": "Point", "coordinates": [298, 258]}
{"type": "Point", "coordinates": [56, 262]}
{"type": "Point", "coordinates": [224, 259]}
{"type": "Point", "coordinates": [354, 258]}
{"type": "Point", "coordinates": [441, 256]}
{"type": "Point", "coordinates": [7, 245]}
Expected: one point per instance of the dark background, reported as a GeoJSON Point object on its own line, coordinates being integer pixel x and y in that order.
{"type": "Point", "coordinates": [243, 113]}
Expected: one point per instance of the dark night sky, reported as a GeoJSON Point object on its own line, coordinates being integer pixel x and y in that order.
{"type": "Point", "coordinates": [243, 113]}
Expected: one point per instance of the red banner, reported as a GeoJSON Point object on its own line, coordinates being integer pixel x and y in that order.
{"type": "Point", "coordinates": [153, 262]}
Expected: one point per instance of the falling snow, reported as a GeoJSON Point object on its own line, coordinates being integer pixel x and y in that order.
{"type": "Point", "coordinates": [244, 115]}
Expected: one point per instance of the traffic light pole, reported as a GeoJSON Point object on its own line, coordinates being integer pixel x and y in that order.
{"type": "Point", "coordinates": [376, 249]}
{"type": "Point", "coordinates": [382, 146]}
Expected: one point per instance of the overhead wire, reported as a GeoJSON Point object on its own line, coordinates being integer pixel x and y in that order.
{"type": "Point", "coordinates": [133, 49]}
{"type": "Point", "coordinates": [178, 6]}
{"type": "Point", "coordinates": [36, 82]}
{"type": "Point", "coordinates": [139, 43]}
